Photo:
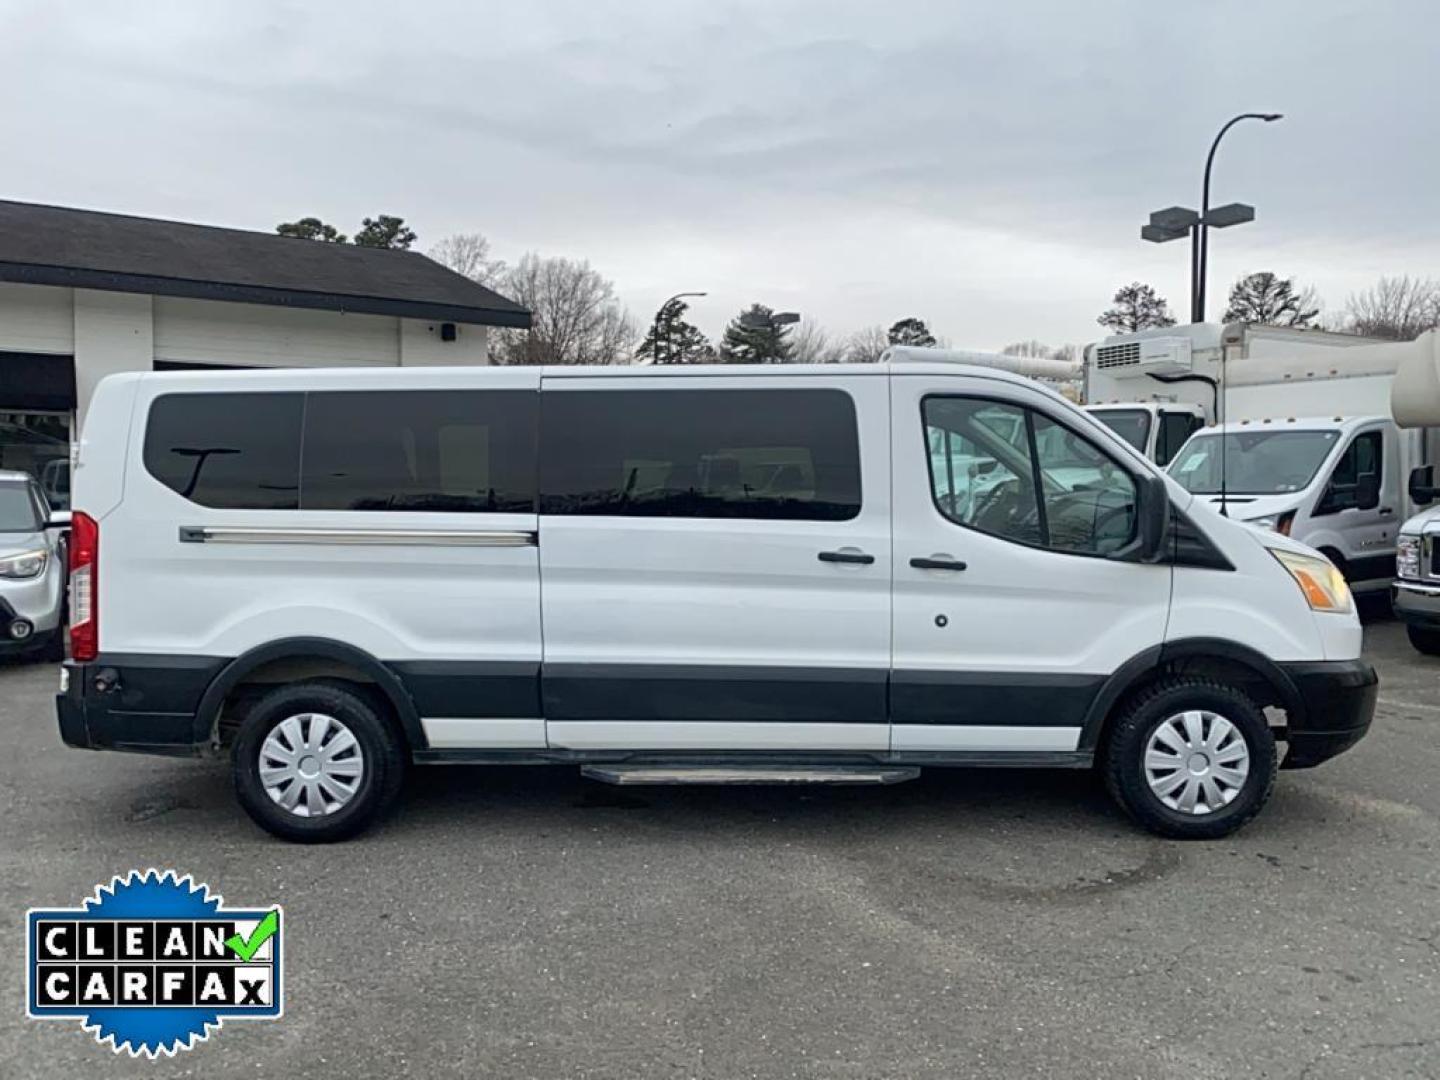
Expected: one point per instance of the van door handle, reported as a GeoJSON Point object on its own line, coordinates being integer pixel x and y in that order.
{"type": "Point", "coordinates": [847, 555]}
{"type": "Point", "coordinates": [1386, 511]}
{"type": "Point", "coordinates": [937, 562]}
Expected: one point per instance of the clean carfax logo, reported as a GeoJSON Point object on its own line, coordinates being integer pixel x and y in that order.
{"type": "Point", "coordinates": [153, 962]}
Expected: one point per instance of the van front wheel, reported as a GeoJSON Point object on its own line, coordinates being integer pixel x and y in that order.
{"type": "Point", "coordinates": [1191, 758]}
{"type": "Point", "coordinates": [314, 762]}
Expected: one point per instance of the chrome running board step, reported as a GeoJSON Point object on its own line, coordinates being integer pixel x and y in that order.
{"type": "Point", "coordinates": [748, 774]}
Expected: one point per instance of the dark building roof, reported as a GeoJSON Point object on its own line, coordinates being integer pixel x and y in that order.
{"type": "Point", "coordinates": [58, 245]}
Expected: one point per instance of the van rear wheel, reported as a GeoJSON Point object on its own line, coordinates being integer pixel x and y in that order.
{"type": "Point", "coordinates": [315, 762]}
{"type": "Point", "coordinates": [1191, 759]}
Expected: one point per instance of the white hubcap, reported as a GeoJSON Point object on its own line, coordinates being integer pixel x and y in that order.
{"type": "Point", "coordinates": [1196, 762]}
{"type": "Point", "coordinates": [311, 764]}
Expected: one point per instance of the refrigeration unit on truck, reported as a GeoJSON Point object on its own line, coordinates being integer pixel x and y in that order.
{"type": "Point", "coordinates": [1300, 438]}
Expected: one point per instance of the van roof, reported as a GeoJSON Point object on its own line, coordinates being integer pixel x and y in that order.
{"type": "Point", "coordinates": [196, 379]}
{"type": "Point", "coordinates": [1293, 423]}
{"type": "Point", "coordinates": [11, 477]}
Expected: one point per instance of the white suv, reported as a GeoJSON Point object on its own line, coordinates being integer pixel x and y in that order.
{"type": "Point", "coordinates": [714, 573]}
{"type": "Point", "coordinates": [32, 570]}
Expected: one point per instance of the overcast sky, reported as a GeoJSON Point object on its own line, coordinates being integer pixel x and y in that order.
{"type": "Point", "coordinates": [983, 166]}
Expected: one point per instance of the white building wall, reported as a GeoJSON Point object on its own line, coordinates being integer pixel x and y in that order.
{"type": "Point", "coordinates": [114, 332]}
{"type": "Point", "coordinates": [36, 319]}
{"type": "Point", "coordinates": [262, 335]}
{"type": "Point", "coordinates": [421, 345]}
{"type": "Point", "coordinates": [109, 332]}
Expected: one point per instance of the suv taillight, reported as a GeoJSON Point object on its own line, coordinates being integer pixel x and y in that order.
{"type": "Point", "coordinates": [84, 587]}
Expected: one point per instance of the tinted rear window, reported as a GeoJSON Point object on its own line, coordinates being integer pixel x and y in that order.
{"type": "Point", "coordinates": [789, 454]}
{"type": "Point", "coordinates": [436, 450]}
{"type": "Point", "coordinates": [228, 451]}
{"type": "Point", "coordinates": [415, 450]}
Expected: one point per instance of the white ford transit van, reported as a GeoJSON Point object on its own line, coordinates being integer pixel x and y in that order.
{"type": "Point", "coordinates": [713, 573]}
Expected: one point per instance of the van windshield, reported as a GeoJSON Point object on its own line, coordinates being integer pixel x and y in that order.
{"type": "Point", "coordinates": [1255, 462]}
{"type": "Point", "coordinates": [18, 512]}
{"type": "Point", "coordinates": [1132, 425]}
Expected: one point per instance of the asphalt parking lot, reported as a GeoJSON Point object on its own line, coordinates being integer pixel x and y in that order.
{"type": "Point", "coordinates": [523, 923]}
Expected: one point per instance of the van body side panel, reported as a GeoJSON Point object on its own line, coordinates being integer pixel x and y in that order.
{"type": "Point", "coordinates": [1252, 605]}
{"type": "Point", "coordinates": [1018, 643]}
{"type": "Point", "coordinates": [99, 482]}
{"type": "Point", "coordinates": [449, 599]}
{"type": "Point", "coordinates": [732, 623]}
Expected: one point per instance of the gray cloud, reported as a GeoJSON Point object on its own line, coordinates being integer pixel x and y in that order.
{"type": "Point", "coordinates": [984, 167]}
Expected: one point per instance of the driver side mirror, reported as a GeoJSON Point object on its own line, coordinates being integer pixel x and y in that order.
{"type": "Point", "coordinates": [59, 519]}
{"type": "Point", "coordinates": [1367, 491]}
{"type": "Point", "coordinates": [1152, 519]}
{"type": "Point", "coordinates": [1422, 484]}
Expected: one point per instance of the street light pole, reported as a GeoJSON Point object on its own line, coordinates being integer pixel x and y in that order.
{"type": "Point", "coordinates": [1202, 255]}
{"type": "Point", "coordinates": [655, 333]}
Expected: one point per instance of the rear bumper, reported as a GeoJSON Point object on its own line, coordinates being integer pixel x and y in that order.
{"type": "Point", "coordinates": [1418, 605]}
{"type": "Point", "coordinates": [1339, 703]}
{"type": "Point", "coordinates": [139, 703]}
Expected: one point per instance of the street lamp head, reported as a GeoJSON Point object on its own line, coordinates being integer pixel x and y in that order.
{"type": "Point", "coordinates": [1222, 217]}
{"type": "Point", "coordinates": [1159, 234]}
{"type": "Point", "coordinates": [1269, 116]}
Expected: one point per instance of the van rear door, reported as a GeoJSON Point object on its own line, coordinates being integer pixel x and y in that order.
{"type": "Point", "coordinates": [715, 561]}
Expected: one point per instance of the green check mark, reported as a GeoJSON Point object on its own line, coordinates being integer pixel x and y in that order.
{"type": "Point", "coordinates": [245, 948]}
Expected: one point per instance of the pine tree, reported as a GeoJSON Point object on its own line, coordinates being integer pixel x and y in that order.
{"type": "Point", "coordinates": [752, 337]}
{"type": "Point", "coordinates": [673, 340]}
{"type": "Point", "coordinates": [1273, 301]}
{"type": "Point", "coordinates": [1136, 308]}
{"type": "Point", "coordinates": [311, 228]}
{"type": "Point", "coordinates": [911, 332]}
{"type": "Point", "coordinates": [385, 232]}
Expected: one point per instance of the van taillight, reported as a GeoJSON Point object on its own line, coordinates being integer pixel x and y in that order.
{"type": "Point", "coordinates": [84, 587]}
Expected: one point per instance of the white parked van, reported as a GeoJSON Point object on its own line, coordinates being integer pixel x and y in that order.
{"type": "Point", "coordinates": [768, 574]}
{"type": "Point", "coordinates": [1336, 483]}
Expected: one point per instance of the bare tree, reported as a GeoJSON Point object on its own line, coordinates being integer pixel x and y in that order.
{"type": "Point", "coordinates": [1027, 348]}
{"type": "Point", "coordinates": [577, 318]}
{"type": "Point", "coordinates": [865, 346]}
{"type": "Point", "coordinates": [1039, 348]}
{"type": "Point", "coordinates": [811, 344]}
{"type": "Point", "coordinates": [1399, 308]}
{"type": "Point", "coordinates": [469, 254]}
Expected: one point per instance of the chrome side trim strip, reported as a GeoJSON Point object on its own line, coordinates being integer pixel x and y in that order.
{"type": "Point", "coordinates": [447, 733]}
{"type": "Point", "coordinates": [216, 534]}
{"type": "Point", "coordinates": [991, 737]}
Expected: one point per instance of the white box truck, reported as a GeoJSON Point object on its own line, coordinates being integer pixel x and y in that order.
{"type": "Point", "coordinates": [1300, 440]}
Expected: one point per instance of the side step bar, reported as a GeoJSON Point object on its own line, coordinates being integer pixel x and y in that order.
{"type": "Point", "coordinates": [748, 774]}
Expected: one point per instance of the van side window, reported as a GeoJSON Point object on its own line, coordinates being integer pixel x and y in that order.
{"type": "Point", "coordinates": [981, 472]}
{"type": "Point", "coordinates": [1355, 480]}
{"type": "Point", "coordinates": [989, 460]}
{"type": "Point", "coordinates": [419, 450]}
{"type": "Point", "coordinates": [227, 451]}
{"type": "Point", "coordinates": [407, 450]}
{"type": "Point", "coordinates": [789, 454]}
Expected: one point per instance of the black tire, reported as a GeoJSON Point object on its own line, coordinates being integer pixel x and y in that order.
{"type": "Point", "coordinates": [1424, 639]}
{"type": "Point", "coordinates": [381, 748]}
{"type": "Point", "coordinates": [1124, 756]}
